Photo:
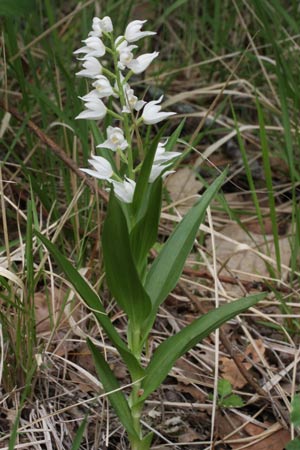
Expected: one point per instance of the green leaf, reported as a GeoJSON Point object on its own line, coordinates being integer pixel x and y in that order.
{"type": "Point", "coordinates": [146, 442]}
{"type": "Point", "coordinates": [295, 414]}
{"type": "Point", "coordinates": [144, 233]}
{"type": "Point", "coordinates": [167, 267]}
{"type": "Point", "coordinates": [293, 445]}
{"type": "Point", "coordinates": [142, 182]}
{"type": "Point", "coordinates": [233, 401]}
{"type": "Point", "coordinates": [224, 388]}
{"type": "Point", "coordinates": [175, 346]}
{"type": "Point", "coordinates": [110, 383]}
{"type": "Point", "coordinates": [121, 273]}
{"type": "Point", "coordinates": [93, 301]}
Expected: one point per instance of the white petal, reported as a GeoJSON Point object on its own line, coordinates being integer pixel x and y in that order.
{"type": "Point", "coordinates": [133, 33]}
{"type": "Point", "coordinates": [124, 191]}
{"type": "Point", "coordinates": [95, 109]}
{"type": "Point", "coordinates": [152, 114]}
{"type": "Point", "coordinates": [92, 68]}
{"type": "Point", "coordinates": [115, 139]}
{"type": "Point", "coordinates": [142, 62]}
{"type": "Point", "coordinates": [95, 173]}
{"type": "Point", "coordinates": [139, 105]}
{"type": "Point", "coordinates": [107, 144]}
{"type": "Point", "coordinates": [106, 24]}
{"type": "Point", "coordinates": [162, 156]}
{"type": "Point", "coordinates": [156, 172]}
{"type": "Point", "coordinates": [101, 165]}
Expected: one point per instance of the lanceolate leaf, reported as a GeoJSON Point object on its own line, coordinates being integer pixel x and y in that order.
{"type": "Point", "coordinates": [167, 267]}
{"type": "Point", "coordinates": [110, 383]}
{"type": "Point", "coordinates": [144, 233]}
{"type": "Point", "coordinates": [121, 273]}
{"type": "Point", "coordinates": [174, 347]}
{"type": "Point", "coordinates": [92, 300]}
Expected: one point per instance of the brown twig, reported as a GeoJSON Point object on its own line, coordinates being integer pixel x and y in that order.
{"type": "Point", "coordinates": [56, 149]}
{"type": "Point", "coordinates": [248, 285]}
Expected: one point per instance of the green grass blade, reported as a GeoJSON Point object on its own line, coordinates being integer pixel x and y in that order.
{"type": "Point", "coordinates": [174, 137]}
{"type": "Point", "coordinates": [269, 184]}
{"type": "Point", "coordinates": [79, 435]}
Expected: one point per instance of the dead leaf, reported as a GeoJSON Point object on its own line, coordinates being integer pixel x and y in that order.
{"type": "Point", "coordinates": [48, 309]}
{"type": "Point", "coordinates": [197, 395]}
{"type": "Point", "coordinates": [190, 435]}
{"type": "Point", "coordinates": [274, 441]}
{"type": "Point", "coordinates": [183, 186]}
{"type": "Point", "coordinates": [252, 353]}
{"type": "Point", "coordinates": [231, 372]}
{"type": "Point", "coordinates": [243, 262]}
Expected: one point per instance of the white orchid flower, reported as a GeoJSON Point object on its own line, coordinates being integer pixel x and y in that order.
{"type": "Point", "coordinates": [124, 190]}
{"type": "Point", "coordinates": [92, 68]}
{"type": "Point", "coordinates": [133, 31]}
{"type": "Point", "coordinates": [156, 171]}
{"type": "Point", "coordinates": [115, 139]}
{"type": "Point", "coordinates": [132, 102]}
{"type": "Point", "coordinates": [103, 169]}
{"type": "Point", "coordinates": [103, 87]}
{"type": "Point", "coordinates": [142, 62]}
{"type": "Point", "coordinates": [101, 25]}
{"type": "Point", "coordinates": [152, 113]}
{"type": "Point", "coordinates": [162, 156]}
{"type": "Point", "coordinates": [95, 108]}
{"type": "Point", "coordinates": [160, 159]}
{"type": "Point", "coordinates": [96, 26]}
{"type": "Point", "coordinates": [94, 47]}
{"type": "Point", "coordinates": [106, 24]}
{"type": "Point", "coordinates": [125, 52]}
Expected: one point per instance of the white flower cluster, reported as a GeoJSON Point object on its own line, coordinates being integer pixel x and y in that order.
{"type": "Point", "coordinates": [107, 83]}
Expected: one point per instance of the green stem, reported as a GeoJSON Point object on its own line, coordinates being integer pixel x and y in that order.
{"type": "Point", "coordinates": [134, 341]}
{"type": "Point", "coordinates": [125, 116]}
{"type": "Point", "coordinates": [136, 411]}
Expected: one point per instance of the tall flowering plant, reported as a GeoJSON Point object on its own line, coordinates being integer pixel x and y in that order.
{"type": "Point", "coordinates": [130, 229]}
